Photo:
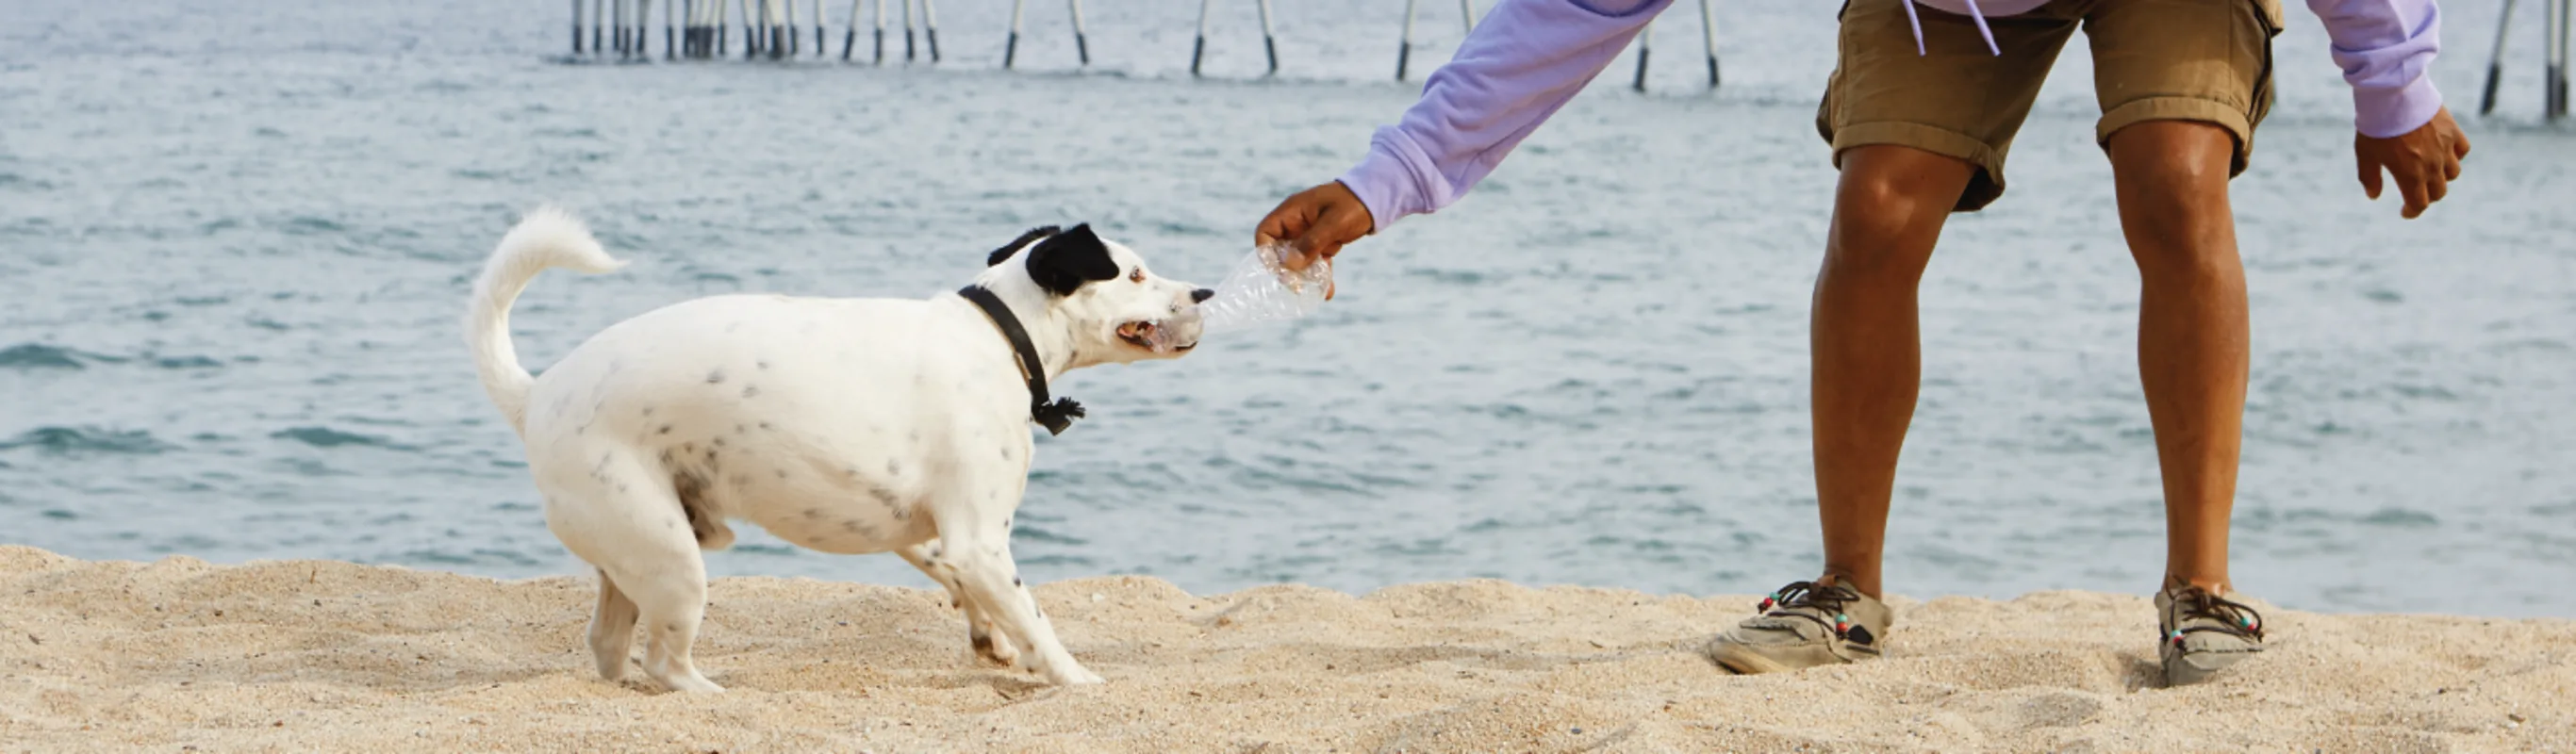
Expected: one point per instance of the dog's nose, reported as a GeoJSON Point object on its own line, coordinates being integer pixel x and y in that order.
{"type": "Point", "coordinates": [1201, 296]}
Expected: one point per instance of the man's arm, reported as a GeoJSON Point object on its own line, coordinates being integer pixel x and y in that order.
{"type": "Point", "coordinates": [1525, 60]}
{"type": "Point", "coordinates": [2386, 50]}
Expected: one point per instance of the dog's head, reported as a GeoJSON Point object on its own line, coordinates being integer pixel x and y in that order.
{"type": "Point", "coordinates": [1115, 309]}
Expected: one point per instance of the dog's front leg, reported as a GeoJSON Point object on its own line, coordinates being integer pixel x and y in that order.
{"type": "Point", "coordinates": [986, 575]}
{"type": "Point", "coordinates": [989, 645]}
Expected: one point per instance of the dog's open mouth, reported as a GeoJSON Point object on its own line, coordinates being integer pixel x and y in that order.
{"type": "Point", "coordinates": [1153, 336]}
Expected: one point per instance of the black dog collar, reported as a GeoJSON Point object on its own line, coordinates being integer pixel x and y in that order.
{"type": "Point", "coordinates": [1054, 416]}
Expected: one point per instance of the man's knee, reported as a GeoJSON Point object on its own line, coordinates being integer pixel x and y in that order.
{"type": "Point", "coordinates": [1888, 211]}
{"type": "Point", "coordinates": [2173, 199]}
{"type": "Point", "coordinates": [2172, 168]}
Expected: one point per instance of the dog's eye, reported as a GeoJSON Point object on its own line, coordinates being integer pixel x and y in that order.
{"type": "Point", "coordinates": [1137, 276]}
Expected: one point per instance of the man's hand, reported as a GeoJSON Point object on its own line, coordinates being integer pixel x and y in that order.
{"type": "Point", "coordinates": [1316, 223]}
{"type": "Point", "coordinates": [2424, 161]}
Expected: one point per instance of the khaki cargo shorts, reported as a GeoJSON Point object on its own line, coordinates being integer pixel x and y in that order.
{"type": "Point", "coordinates": [2196, 60]}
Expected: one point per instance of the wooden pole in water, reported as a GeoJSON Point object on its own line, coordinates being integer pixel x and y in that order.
{"type": "Point", "coordinates": [782, 27]}
{"type": "Point", "coordinates": [907, 31]}
{"type": "Point", "coordinates": [2549, 70]}
{"type": "Point", "coordinates": [2558, 63]}
{"type": "Point", "coordinates": [670, 31]}
{"type": "Point", "coordinates": [1404, 51]}
{"type": "Point", "coordinates": [794, 40]}
{"type": "Point", "coordinates": [1645, 51]}
{"type": "Point", "coordinates": [820, 44]}
{"type": "Point", "coordinates": [881, 14]}
{"type": "Point", "coordinates": [930, 27]}
{"type": "Point", "coordinates": [850, 40]}
{"type": "Point", "coordinates": [1269, 41]}
{"type": "Point", "coordinates": [1011, 48]}
{"type": "Point", "coordinates": [576, 27]}
{"type": "Point", "coordinates": [1081, 40]}
{"type": "Point", "coordinates": [598, 12]}
{"type": "Point", "coordinates": [1198, 49]}
{"type": "Point", "coordinates": [618, 16]}
{"type": "Point", "coordinates": [1708, 34]}
{"type": "Point", "coordinates": [752, 24]}
{"type": "Point", "coordinates": [1468, 9]}
{"type": "Point", "coordinates": [2495, 59]}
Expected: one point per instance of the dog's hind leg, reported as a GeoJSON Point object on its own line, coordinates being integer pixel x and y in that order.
{"type": "Point", "coordinates": [989, 645]}
{"type": "Point", "coordinates": [671, 600]}
{"type": "Point", "coordinates": [622, 516]}
{"type": "Point", "coordinates": [612, 629]}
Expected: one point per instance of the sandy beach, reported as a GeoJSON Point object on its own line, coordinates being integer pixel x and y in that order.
{"type": "Point", "coordinates": [180, 655]}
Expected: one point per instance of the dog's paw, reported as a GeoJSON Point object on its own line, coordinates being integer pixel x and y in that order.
{"type": "Point", "coordinates": [990, 648]}
{"type": "Point", "coordinates": [1077, 677]}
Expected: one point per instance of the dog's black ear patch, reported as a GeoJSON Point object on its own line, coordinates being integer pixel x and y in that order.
{"type": "Point", "coordinates": [1065, 261]}
{"type": "Point", "coordinates": [1004, 254]}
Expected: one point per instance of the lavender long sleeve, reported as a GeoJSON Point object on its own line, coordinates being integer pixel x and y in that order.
{"type": "Point", "coordinates": [1529, 57]}
{"type": "Point", "coordinates": [2386, 50]}
{"type": "Point", "coordinates": [1523, 61]}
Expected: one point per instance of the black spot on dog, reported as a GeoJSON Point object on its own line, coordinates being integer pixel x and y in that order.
{"type": "Point", "coordinates": [621, 486]}
{"type": "Point", "coordinates": [739, 430]}
{"type": "Point", "coordinates": [934, 551]}
{"type": "Point", "coordinates": [691, 490]}
{"type": "Point", "coordinates": [715, 377]}
{"type": "Point", "coordinates": [782, 473]}
{"type": "Point", "coordinates": [666, 429]}
{"type": "Point", "coordinates": [1066, 261]}
{"type": "Point", "coordinates": [916, 436]}
{"type": "Point", "coordinates": [1015, 581]}
{"type": "Point", "coordinates": [883, 495]}
{"type": "Point", "coordinates": [1006, 523]}
{"type": "Point", "coordinates": [894, 468]}
{"type": "Point", "coordinates": [750, 391]}
{"type": "Point", "coordinates": [742, 480]}
{"type": "Point", "coordinates": [672, 627]}
{"type": "Point", "coordinates": [764, 426]}
{"type": "Point", "coordinates": [983, 642]}
{"type": "Point", "coordinates": [814, 513]}
{"type": "Point", "coordinates": [648, 410]}
{"type": "Point", "coordinates": [761, 364]}
{"type": "Point", "coordinates": [1004, 254]}
{"type": "Point", "coordinates": [1006, 454]}
{"type": "Point", "coordinates": [718, 442]}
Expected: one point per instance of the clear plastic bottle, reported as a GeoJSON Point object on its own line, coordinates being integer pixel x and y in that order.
{"type": "Point", "coordinates": [1261, 290]}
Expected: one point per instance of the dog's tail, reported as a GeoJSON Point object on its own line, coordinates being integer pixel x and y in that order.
{"type": "Point", "coordinates": [546, 238]}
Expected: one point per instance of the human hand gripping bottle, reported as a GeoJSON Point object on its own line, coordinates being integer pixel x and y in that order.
{"type": "Point", "coordinates": [1261, 289]}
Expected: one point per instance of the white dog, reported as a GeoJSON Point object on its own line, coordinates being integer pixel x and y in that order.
{"type": "Point", "coordinates": [843, 425]}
